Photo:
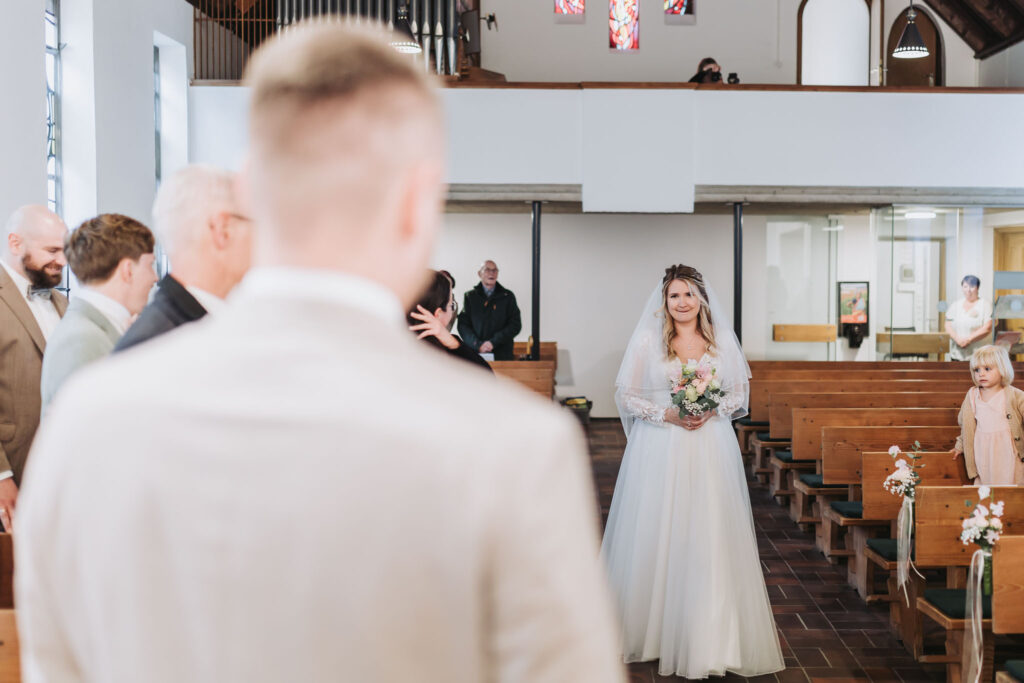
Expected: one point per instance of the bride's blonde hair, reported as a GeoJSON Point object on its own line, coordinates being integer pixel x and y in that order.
{"type": "Point", "coordinates": [693, 278]}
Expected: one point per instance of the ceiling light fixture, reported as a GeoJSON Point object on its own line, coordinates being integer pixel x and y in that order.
{"type": "Point", "coordinates": [919, 214]}
{"type": "Point", "coordinates": [404, 40]}
{"type": "Point", "coordinates": [911, 45]}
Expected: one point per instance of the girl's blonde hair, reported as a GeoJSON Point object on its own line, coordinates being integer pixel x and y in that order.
{"type": "Point", "coordinates": [996, 356]}
{"type": "Point", "coordinates": [693, 278]}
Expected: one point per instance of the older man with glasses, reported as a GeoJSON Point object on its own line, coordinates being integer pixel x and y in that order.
{"type": "Point", "coordinates": [490, 318]}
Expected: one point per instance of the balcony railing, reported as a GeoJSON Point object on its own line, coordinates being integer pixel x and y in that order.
{"type": "Point", "coordinates": [228, 31]}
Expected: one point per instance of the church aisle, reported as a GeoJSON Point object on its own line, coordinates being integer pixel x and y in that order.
{"type": "Point", "coordinates": [827, 631]}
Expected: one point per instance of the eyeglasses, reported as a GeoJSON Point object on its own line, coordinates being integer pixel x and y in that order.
{"type": "Point", "coordinates": [454, 305]}
{"type": "Point", "coordinates": [490, 270]}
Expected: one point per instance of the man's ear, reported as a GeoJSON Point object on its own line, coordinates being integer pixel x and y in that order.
{"type": "Point", "coordinates": [14, 242]}
{"type": "Point", "coordinates": [125, 270]}
{"type": "Point", "coordinates": [220, 229]}
{"type": "Point", "coordinates": [420, 202]}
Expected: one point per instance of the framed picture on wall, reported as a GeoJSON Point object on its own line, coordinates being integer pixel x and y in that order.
{"type": "Point", "coordinates": [570, 11]}
{"type": "Point", "coordinates": [680, 12]}
{"type": "Point", "coordinates": [624, 25]}
{"type": "Point", "coordinates": [853, 303]}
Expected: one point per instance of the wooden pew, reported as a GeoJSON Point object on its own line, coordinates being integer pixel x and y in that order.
{"type": "Point", "coordinates": [757, 365]}
{"type": "Point", "coordinates": [939, 513]}
{"type": "Point", "coordinates": [1008, 593]}
{"type": "Point", "coordinates": [548, 351]}
{"type": "Point", "coordinates": [780, 411]}
{"type": "Point", "coordinates": [841, 453]}
{"type": "Point", "coordinates": [880, 553]}
{"type": "Point", "coordinates": [761, 391]}
{"type": "Point", "coordinates": [10, 664]}
{"type": "Point", "coordinates": [536, 375]}
{"type": "Point", "coordinates": [1008, 585]}
{"type": "Point", "coordinates": [6, 571]}
{"type": "Point", "coordinates": [952, 371]}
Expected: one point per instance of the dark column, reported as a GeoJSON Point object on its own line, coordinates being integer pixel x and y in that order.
{"type": "Point", "coordinates": [737, 269]}
{"type": "Point", "coordinates": [535, 331]}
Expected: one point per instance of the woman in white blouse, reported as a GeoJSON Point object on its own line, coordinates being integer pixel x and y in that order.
{"type": "Point", "coordinates": [968, 321]}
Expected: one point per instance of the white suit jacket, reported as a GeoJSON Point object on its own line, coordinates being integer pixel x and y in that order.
{"type": "Point", "coordinates": [297, 490]}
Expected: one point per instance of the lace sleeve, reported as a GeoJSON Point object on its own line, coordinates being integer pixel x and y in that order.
{"type": "Point", "coordinates": [731, 402]}
{"type": "Point", "coordinates": [641, 408]}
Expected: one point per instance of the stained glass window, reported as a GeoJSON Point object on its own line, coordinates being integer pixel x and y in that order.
{"type": "Point", "coordinates": [570, 7]}
{"type": "Point", "coordinates": [679, 11]}
{"type": "Point", "coordinates": [53, 165]}
{"type": "Point", "coordinates": [624, 24]}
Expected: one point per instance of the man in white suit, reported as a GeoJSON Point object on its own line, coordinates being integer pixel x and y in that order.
{"type": "Point", "coordinates": [295, 490]}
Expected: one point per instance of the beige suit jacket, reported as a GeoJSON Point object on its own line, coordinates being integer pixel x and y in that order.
{"type": "Point", "coordinates": [298, 490]}
{"type": "Point", "coordinates": [21, 363]}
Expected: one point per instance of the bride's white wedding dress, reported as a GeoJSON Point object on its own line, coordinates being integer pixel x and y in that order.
{"type": "Point", "coordinates": [679, 545]}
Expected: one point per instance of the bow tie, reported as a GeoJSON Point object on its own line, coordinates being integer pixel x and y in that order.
{"type": "Point", "coordinates": [40, 292]}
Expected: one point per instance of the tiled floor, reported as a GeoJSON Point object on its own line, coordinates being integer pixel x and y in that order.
{"type": "Point", "coordinates": [827, 631]}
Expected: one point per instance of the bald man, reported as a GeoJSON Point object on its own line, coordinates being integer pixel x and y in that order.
{"type": "Point", "coordinates": [33, 263]}
{"type": "Point", "coordinates": [295, 489]}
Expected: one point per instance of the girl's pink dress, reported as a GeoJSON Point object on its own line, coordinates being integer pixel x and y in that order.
{"type": "Point", "coordinates": [994, 454]}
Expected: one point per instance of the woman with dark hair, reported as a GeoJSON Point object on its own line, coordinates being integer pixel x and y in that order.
{"type": "Point", "coordinates": [708, 71]}
{"type": "Point", "coordinates": [433, 317]}
{"type": "Point", "coordinates": [968, 321]}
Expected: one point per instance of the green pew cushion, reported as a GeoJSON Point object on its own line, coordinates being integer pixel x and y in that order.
{"type": "Point", "coordinates": [747, 422]}
{"type": "Point", "coordinates": [1015, 667]}
{"type": "Point", "coordinates": [816, 481]}
{"type": "Point", "coordinates": [767, 436]}
{"type": "Point", "coordinates": [886, 547]}
{"type": "Point", "coordinates": [849, 508]}
{"type": "Point", "coordinates": [784, 456]}
{"type": "Point", "coordinates": [953, 602]}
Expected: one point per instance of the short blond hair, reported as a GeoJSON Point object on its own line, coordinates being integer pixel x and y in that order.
{"type": "Point", "coordinates": [336, 115]}
{"type": "Point", "coordinates": [996, 356]}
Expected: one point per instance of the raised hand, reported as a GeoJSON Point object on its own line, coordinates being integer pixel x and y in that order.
{"type": "Point", "coordinates": [432, 327]}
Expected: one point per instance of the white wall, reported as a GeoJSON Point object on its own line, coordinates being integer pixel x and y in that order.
{"type": "Point", "coordinates": [836, 39]}
{"type": "Point", "coordinates": [1004, 69]}
{"type": "Point", "coordinates": [589, 313]}
{"type": "Point", "coordinates": [737, 138]}
{"type": "Point", "coordinates": [107, 108]}
{"type": "Point", "coordinates": [756, 38]}
{"type": "Point", "coordinates": [23, 111]}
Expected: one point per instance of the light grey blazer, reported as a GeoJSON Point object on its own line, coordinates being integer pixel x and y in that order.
{"type": "Point", "coordinates": [84, 335]}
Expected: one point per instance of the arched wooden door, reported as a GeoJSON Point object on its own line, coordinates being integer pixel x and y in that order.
{"type": "Point", "coordinates": [921, 72]}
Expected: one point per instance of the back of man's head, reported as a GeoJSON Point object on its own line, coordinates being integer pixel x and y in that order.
{"type": "Point", "coordinates": [347, 146]}
{"type": "Point", "coordinates": [96, 247]}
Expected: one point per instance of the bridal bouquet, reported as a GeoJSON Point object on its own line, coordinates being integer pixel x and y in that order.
{"type": "Point", "coordinates": [695, 389]}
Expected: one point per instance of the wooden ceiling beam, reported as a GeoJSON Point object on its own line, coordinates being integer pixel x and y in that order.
{"type": "Point", "coordinates": [974, 33]}
{"type": "Point", "coordinates": [1000, 46]}
{"type": "Point", "coordinates": [999, 15]}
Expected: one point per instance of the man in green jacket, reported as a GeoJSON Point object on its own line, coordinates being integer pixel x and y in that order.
{"type": "Point", "coordinates": [490, 321]}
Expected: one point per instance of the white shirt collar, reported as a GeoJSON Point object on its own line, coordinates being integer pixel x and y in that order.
{"type": "Point", "coordinates": [119, 316]}
{"type": "Point", "coordinates": [310, 283]}
{"type": "Point", "coordinates": [211, 302]}
{"type": "Point", "coordinates": [20, 281]}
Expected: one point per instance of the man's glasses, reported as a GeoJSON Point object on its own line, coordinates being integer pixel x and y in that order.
{"type": "Point", "coordinates": [454, 305]}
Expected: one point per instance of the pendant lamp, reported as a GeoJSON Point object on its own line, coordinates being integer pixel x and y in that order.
{"type": "Point", "coordinates": [911, 45]}
{"type": "Point", "coordinates": [404, 41]}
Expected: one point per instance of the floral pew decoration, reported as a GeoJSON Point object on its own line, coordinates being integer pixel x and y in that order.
{"type": "Point", "coordinates": [982, 529]}
{"type": "Point", "coordinates": [903, 482]}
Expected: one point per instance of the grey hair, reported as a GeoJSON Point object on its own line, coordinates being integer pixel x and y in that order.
{"type": "Point", "coordinates": [185, 202]}
{"type": "Point", "coordinates": [485, 262]}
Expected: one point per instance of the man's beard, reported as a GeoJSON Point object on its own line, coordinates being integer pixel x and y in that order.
{"type": "Point", "coordinates": [39, 278]}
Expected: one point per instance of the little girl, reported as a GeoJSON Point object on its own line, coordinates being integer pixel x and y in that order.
{"type": "Point", "coordinates": [991, 430]}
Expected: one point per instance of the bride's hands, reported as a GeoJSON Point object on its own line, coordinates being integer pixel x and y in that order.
{"type": "Point", "coordinates": [690, 422]}
{"type": "Point", "coordinates": [432, 327]}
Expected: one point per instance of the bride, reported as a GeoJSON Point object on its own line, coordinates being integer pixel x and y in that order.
{"type": "Point", "coordinates": [679, 544]}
